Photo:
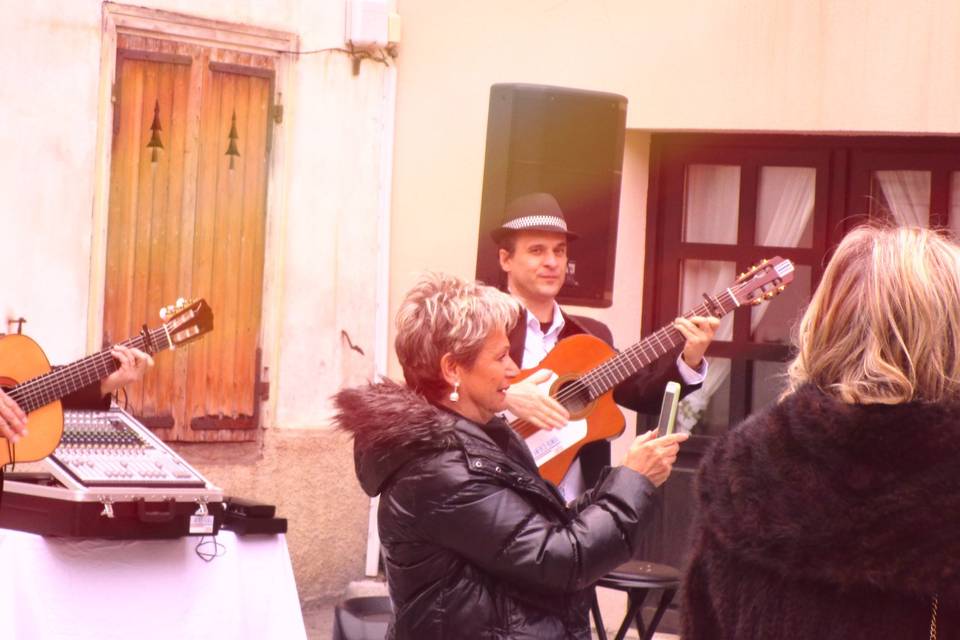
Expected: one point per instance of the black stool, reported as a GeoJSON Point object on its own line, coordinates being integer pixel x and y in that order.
{"type": "Point", "coordinates": [638, 578]}
{"type": "Point", "coordinates": [362, 618]}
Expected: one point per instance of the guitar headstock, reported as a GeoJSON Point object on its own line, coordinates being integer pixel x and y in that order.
{"type": "Point", "coordinates": [186, 320]}
{"type": "Point", "coordinates": [763, 281]}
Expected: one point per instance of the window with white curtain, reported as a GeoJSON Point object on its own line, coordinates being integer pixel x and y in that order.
{"type": "Point", "coordinates": [719, 203]}
{"type": "Point", "coordinates": [742, 198]}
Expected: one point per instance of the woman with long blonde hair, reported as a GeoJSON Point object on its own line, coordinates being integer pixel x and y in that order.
{"type": "Point", "coordinates": [835, 513]}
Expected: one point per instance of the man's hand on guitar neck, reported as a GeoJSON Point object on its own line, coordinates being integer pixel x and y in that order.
{"type": "Point", "coordinates": [528, 402]}
{"type": "Point", "coordinates": [133, 363]}
{"type": "Point", "coordinates": [13, 421]}
{"type": "Point", "coordinates": [699, 332]}
{"type": "Point", "coordinates": [654, 457]}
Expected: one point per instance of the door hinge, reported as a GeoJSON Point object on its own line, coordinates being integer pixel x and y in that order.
{"type": "Point", "coordinates": [277, 112]}
{"type": "Point", "coordinates": [263, 383]}
{"type": "Point", "coordinates": [115, 103]}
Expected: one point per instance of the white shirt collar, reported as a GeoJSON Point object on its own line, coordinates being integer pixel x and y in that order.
{"type": "Point", "coordinates": [555, 327]}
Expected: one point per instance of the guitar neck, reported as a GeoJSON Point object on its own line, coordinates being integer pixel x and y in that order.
{"type": "Point", "coordinates": [42, 390]}
{"type": "Point", "coordinates": [615, 370]}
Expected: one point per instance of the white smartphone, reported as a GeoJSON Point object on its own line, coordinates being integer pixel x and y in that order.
{"type": "Point", "coordinates": [668, 410]}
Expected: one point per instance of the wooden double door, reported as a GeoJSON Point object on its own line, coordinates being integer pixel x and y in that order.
{"type": "Point", "coordinates": [188, 183]}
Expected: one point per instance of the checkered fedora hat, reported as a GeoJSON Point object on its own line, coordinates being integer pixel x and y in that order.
{"type": "Point", "coordinates": [533, 212]}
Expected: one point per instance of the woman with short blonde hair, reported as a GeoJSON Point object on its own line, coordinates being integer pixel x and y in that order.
{"type": "Point", "coordinates": [834, 513]}
{"type": "Point", "coordinates": [444, 315]}
{"type": "Point", "coordinates": [475, 543]}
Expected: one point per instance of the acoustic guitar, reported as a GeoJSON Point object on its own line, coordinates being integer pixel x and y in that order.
{"type": "Point", "coordinates": [28, 379]}
{"type": "Point", "coordinates": [586, 369]}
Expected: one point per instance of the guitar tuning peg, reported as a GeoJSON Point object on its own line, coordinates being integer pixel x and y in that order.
{"type": "Point", "coordinates": [181, 303]}
{"type": "Point", "coordinates": [164, 312]}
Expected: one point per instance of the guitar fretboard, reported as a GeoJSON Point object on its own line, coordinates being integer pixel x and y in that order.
{"type": "Point", "coordinates": [42, 390]}
{"type": "Point", "coordinates": [615, 370]}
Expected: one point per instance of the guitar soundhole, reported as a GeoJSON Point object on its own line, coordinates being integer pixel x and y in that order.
{"type": "Point", "coordinates": [574, 395]}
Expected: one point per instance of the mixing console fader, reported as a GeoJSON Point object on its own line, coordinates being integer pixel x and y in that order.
{"type": "Point", "coordinates": [112, 449]}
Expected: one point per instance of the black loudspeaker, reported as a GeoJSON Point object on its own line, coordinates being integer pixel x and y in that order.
{"type": "Point", "coordinates": [567, 142]}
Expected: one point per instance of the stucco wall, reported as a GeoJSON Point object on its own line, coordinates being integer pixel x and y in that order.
{"type": "Point", "coordinates": [322, 227]}
{"type": "Point", "coordinates": [751, 65]}
{"type": "Point", "coordinates": [322, 222]}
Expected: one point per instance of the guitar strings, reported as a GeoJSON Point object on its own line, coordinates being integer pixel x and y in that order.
{"type": "Point", "coordinates": [31, 394]}
{"type": "Point", "coordinates": [664, 335]}
{"type": "Point", "coordinates": [613, 366]}
{"type": "Point", "coordinates": [81, 366]}
{"type": "Point", "coordinates": [35, 390]}
{"type": "Point", "coordinates": [669, 335]}
{"type": "Point", "coordinates": [103, 358]}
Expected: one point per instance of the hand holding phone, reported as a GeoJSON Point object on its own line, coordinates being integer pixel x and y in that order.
{"type": "Point", "coordinates": [668, 410]}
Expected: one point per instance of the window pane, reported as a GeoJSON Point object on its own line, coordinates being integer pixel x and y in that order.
{"type": "Point", "coordinates": [785, 206]}
{"type": "Point", "coordinates": [769, 381]}
{"type": "Point", "coordinates": [706, 412]}
{"type": "Point", "coordinates": [773, 320]}
{"type": "Point", "coordinates": [955, 203]}
{"type": "Point", "coordinates": [712, 200]}
{"type": "Point", "coordinates": [903, 196]}
{"type": "Point", "coordinates": [698, 277]}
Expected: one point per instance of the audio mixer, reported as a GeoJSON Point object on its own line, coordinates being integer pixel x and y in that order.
{"type": "Point", "coordinates": [110, 477]}
{"type": "Point", "coordinates": [109, 448]}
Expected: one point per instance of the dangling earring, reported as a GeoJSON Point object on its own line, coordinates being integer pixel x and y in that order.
{"type": "Point", "coordinates": [455, 394]}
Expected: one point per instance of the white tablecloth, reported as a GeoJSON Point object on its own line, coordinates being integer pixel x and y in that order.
{"type": "Point", "coordinates": [52, 588]}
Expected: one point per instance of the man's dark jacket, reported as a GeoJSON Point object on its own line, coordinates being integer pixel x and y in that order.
{"type": "Point", "coordinates": [642, 392]}
{"type": "Point", "coordinates": [823, 520]}
{"type": "Point", "coordinates": [475, 543]}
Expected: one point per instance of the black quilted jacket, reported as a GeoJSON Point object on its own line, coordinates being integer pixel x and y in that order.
{"type": "Point", "coordinates": [476, 544]}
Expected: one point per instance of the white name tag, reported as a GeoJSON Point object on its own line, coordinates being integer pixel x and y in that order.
{"type": "Point", "coordinates": [201, 524]}
{"type": "Point", "coordinates": [546, 445]}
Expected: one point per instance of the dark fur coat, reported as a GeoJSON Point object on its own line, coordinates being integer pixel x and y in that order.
{"type": "Point", "coordinates": [822, 520]}
{"type": "Point", "coordinates": [476, 544]}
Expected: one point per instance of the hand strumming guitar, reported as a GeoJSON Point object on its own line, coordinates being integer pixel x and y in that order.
{"type": "Point", "coordinates": [526, 401]}
{"type": "Point", "coordinates": [13, 421]}
{"type": "Point", "coordinates": [133, 363]}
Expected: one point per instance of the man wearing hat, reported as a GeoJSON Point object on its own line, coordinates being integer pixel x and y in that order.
{"type": "Point", "coordinates": [533, 253]}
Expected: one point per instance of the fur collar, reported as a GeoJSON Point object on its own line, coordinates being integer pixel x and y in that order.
{"type": "Point", "coordinates": [847, 494]}
{"type": "Point", "coordinates": [390, 425]}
